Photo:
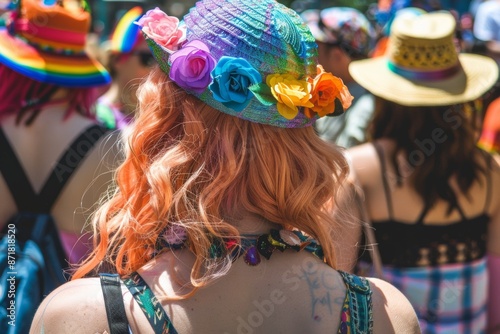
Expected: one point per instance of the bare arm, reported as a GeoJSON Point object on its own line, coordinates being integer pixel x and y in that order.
{"type": "Point", "coordinates": [392, 312]}
{"type": "Point", "coordinates": [494, 255]}
{"type": "Point", "coordinates": [493, 47]}
{"type": "Point", "coordinates": [76, 307]}
{"type": "Point", "coordinates": [348, 234]}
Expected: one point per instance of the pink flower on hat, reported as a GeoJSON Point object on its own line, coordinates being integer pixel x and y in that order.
{"type": "Point", "coordinates": [163, 29]}
{"type": "Point", "coordinates": [191, 66]}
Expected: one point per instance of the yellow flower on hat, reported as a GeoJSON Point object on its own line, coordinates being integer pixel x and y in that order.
{"type": "Point", "coordinates": [290, 93]}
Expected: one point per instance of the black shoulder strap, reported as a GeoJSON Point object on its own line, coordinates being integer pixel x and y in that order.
{"type": "Point", "coordinates": [113, 300]}
{"type": "Point", "coordinates": [14, 175]}
{"type": "Point", "coordinates": [25, 197]}
{"type": "Point", "coordinates": [421, 217]}
{"type": "Point", "coordinates": [387, 189]}
{"type": "Point", "coordinates": [488, 185]}
{"type": "Point", "coordinates": [67, 164]}
{"type": "Point", "coordinates": [460, 211]}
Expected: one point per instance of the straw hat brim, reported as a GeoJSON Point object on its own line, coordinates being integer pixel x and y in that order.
{"type": "Point", "coordinates": [61, 70]}
{"type": "Point", "coordinates": [478, 74]}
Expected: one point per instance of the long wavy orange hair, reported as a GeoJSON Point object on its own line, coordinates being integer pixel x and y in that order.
{"type": "Point", "coordinates": [189, 164]}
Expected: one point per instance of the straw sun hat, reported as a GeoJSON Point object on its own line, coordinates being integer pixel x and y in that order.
{"type": "Point", "coordinates": [422, 67]}
{"type": "Point", "coordinates": [45, 41]}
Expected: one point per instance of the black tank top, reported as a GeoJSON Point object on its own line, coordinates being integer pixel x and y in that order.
{"type": "Point", "coordinates": [417, 244]}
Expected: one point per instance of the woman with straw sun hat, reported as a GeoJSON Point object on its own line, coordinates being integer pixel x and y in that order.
{"type": "Point", "coordinates": [47, 93]}
{"type": "Point", "coordinates": [223, 221]}
{"type": "Point", "coordinates": [430, 191]}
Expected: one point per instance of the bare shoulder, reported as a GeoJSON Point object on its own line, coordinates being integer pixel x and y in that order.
{"type": "Point", "coordinates": [363, 159]}
{"type": "Point", "coordinates": [75, 307]}
{"type": "Point", "coordinates": [495, 171]}
{"type": "Point", "coordinates": [493, 178]}
{"type": "Point", "coordinates": [392, 312]}
{"type": "Point", "coordinates": [358, 151]}
{"type": "Point", "coordinates": [110, 148]}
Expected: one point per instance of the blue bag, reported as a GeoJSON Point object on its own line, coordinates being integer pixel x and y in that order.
{"type": "Point", "coordinates": [32, 259]}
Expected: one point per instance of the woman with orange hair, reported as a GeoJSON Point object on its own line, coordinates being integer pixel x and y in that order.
{"type": "Point", "coordinates": [222, 218]}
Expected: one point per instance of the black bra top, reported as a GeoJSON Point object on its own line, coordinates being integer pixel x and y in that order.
{"type": "Point", "coordinates": [403, 244]}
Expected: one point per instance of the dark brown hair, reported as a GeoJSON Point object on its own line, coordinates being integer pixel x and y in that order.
{"type": "Point", "coordinates": [438, 142]}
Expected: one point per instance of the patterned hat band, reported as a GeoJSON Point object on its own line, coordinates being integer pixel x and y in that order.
{"type": "Point", "coordinates": [419, 75]}
{"type": "Point", "coordinates": [256, 64]}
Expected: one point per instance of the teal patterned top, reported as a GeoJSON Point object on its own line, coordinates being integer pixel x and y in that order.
{"type": "Point", "coordinates": [356, 316]}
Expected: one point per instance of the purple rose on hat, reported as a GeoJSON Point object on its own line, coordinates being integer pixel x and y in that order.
{"type": "Point", "coordinates": [191, 66]}
{"type": "Point", "coordinates": [231, 79]}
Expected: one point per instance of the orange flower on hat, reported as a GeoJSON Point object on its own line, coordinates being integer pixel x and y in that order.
{"type": "Point", "coordinates": [326, 88]}
{"type": "Point", "coordinates": [290, 93]}
{"type": "Point", "coordinates": [345, 96]}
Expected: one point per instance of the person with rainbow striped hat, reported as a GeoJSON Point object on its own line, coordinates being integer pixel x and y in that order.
{"type": "Point", "coordinates": [128, 60]}
{"type": "Point", "coordinates": [53, 154]}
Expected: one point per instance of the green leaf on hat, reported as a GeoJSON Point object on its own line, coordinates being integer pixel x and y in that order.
{"type": "Point", "coordinates": [158, 53]}
{"type": "Point", "coordinates": [263, 93]}
{"type": "Point", "coordinates": [339, 109]}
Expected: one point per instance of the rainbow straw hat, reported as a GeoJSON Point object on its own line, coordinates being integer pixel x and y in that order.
{"type": "Point", "coordinates": [253, 59]}
{"type": "Point", "coordinates": [45, 40]}
{"type": "Point", "coordinates": [127, 34]}
{"type": "Point", "coordinates": [421, 66]}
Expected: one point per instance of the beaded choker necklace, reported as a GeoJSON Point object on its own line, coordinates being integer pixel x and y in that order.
{"type": "Point", "coordinates": [251, 247]}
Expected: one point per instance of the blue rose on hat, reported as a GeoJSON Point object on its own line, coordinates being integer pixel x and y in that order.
{"type": "Point", "coordinates": [232, 78]}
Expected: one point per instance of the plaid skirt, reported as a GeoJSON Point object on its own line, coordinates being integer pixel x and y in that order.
{"type": "Point", "coordinates": [447, 299]}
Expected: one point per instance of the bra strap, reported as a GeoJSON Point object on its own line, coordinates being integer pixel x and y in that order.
{"type": "Point", "coordinates": [420, 219]}
{"type": "Point", "coordinates": [387, 189]}
{"type": "Point", "coordinates": [460, 211]}
{"type": "Point", "coordinates": [488, 187]}
{"type": "Point", "coordinates": [149, 304]}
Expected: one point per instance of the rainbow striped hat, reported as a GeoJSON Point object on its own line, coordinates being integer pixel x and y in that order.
{"type": "Point", "coordinates": [45, 41]}
{"type": "Point", "coordinates": [127, 34]}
